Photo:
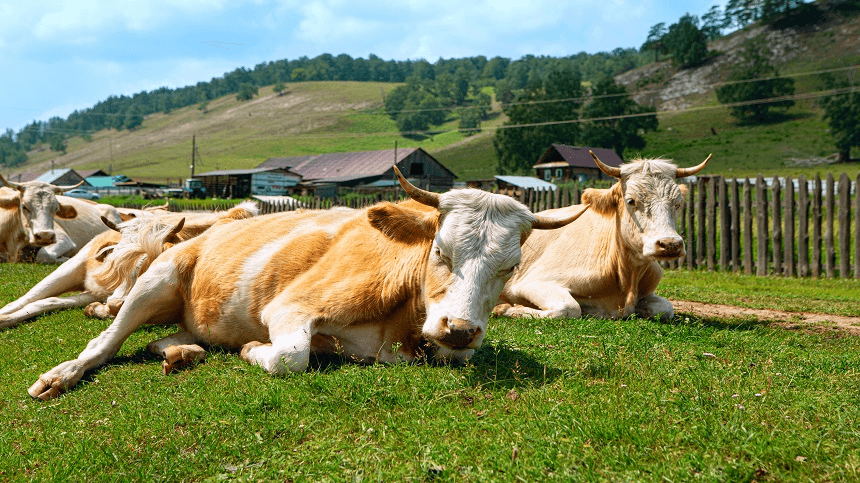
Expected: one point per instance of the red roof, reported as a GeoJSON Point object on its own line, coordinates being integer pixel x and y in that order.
{"type": "Point", "coordinates": [579, 156]}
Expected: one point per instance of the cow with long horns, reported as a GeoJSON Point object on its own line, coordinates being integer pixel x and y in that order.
{"type": "Point", "coordinates": [606, 264]}
{"type": "Point", "coordinates": [371, 284]}
{"type": "Point", "coordinates": [59, 225]}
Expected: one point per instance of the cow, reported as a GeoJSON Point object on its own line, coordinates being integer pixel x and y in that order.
{"type": "Point", "coordinates": [107, 267]}
{"type": "Point", "coordinates": [39, 207]}
{"type": "Point", "coordinates": [606, 264]}
{"type": "Point", "coordinates": [12, 236]}
{"type": "Point", "coordinates": [377, 284]}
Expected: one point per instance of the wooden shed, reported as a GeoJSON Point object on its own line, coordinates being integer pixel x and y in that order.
{"type": "Point", "coordinates": [241, 183]}
{"type": "Point", "coordinates": [561, 163]}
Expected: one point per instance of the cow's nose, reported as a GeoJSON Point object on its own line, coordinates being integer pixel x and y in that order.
{"type": "Point", "coordinates": [458, 333]}
{"type": "Point", "coordinates": [43, 238]}
{"type": "Point", "coordinates": [670, 247]}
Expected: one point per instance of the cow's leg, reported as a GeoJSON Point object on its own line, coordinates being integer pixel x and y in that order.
{"type": "Point", "coordinates": [654, 306]}
{"type": "Point", "coordinates": [155, 297]}
{"type": "Point", "coordinates": [178, 349]}
{"type": "Point", "coordinates": [45, 305]}
{"type": "Point", "coordinates": [67, 277]}
{"type": "Point", "coordinates": [554, 301]}
{"type": "Point", "coordinates": [104, 310]}
{"type": "Point", "coordinates": [291, 332]}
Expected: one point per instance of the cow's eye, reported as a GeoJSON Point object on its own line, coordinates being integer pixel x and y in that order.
{"type": "Point", "coordinates": [631, 202]}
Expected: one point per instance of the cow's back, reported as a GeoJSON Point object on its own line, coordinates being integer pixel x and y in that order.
{"type": "Point", "coordinates": [87, 223]}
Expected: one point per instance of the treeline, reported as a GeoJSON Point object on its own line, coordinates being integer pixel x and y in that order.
{"type": "Point", "coordinates": [127, 112]}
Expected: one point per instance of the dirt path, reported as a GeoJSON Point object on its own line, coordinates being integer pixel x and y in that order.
{"type": "Point", "coordinates": [788, 320]}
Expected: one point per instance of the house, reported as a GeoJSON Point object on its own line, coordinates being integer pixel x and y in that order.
{"type": "Point", "coordinates": [88, 173]}
{"type": "Point", "coordinates": [62, 177]}
{"type": "Point", "coordinates": [561, 163]}
{"type": "Point", "coordinates": [369, 167]}
{"type": "Point", "coordinates": [241, 183]}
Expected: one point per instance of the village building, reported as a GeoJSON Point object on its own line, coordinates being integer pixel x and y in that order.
{"type": "Point", "coordinates": [372, 169]}
{"type": "Point", "coordinates": [563, 163]}
{"type": "Point", "coordinates": [241, 183]}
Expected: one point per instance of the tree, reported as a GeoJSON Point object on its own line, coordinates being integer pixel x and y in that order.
{"type": "Point", "coordinates": [686, 42]}
{"type": "Point", "coordinates": [609, 129]}
{"type": "Point", "coordinates": [279, 88]}
{"type": "Point", "coordinates": [742, 12]}
{"type": "Point", "coordinates": [11, 151]}
{"type": "Point", "coordinates": [58, 143]}
{"type": "Point", "coordinates": [655, 40]}
{"type": "Point", "coordinates": [470, 120]}
{"type": "Point", "coordinates": [133, 117]}
{"type": "Point", "coordinates": [842, 112]}
{"type": "Point", "coordinates": [755, 64]}
{"type": "Point", "coordinates": [553, 100]}
{"type": "Point", "coordinates": [247, 91]}
{"type": "Point", "coordinates": [714, 22]}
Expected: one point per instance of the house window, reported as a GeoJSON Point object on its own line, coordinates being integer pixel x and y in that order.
{"type": "Point", "coordinates": [416, 169]}
{"type": "Point", "coordinates": [547, 174]}
{"type": "Point", "coordinates": [559, 172]}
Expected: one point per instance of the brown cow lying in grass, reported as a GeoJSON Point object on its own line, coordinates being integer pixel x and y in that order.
{"type": "Point", "coordinates": [108, 266]}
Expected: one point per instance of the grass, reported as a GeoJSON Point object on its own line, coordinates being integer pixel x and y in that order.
{"type": "Point", "coordinates": [589, 399]}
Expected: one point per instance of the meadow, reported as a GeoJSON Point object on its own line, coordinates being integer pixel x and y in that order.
{"type": "Point", "coordinates": [569, 400]}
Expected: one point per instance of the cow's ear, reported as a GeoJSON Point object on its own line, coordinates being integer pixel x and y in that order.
{"type": "Point", "coordinates": [684, 190]}
{"type": "Point", "coordinates": [173, 236]}
{"type": "Point", "coordinates": [403, 224]}
{"type": "Point", "coordinates": [603, 201]}
{"type": "Point", "coordinates": [10, 200]}
{"type": "Point", "coordinates": [67, 211]}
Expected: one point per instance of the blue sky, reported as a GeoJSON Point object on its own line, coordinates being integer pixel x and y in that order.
{"type": "Point", "coordinates": [56, 57]}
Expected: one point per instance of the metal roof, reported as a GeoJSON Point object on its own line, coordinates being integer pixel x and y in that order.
{"type": "Point", "coordinates": [528, 182]}
{"type": "Point", "coordinates": [230, 172]}
{"type": "Point", "coordinates": [579, 156]}
{"type": "Point", "coordinates": [340, 167]}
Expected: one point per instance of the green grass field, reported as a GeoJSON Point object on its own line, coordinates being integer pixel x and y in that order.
{"type": "Point", "coordinates": [561, 400]}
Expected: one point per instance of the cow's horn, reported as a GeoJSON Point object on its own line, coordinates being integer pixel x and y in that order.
{"type": "Point", "coordinates": [63, 189]}
{"type": "Point", "coordinates": [424, 197]}
{"type": "Point", "coordinates": [9, 183]}
{"type": "Point", "coordinates": [684, 172]}
{"type": "Point", "coordinates": [110, 224]}
{"type": "Point", "coordinates": [614, 172]}
{"type": "Point", "coordinates": [547, 223]}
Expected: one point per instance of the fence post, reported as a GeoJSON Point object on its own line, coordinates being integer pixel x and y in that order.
{"type": "Point", "coordinates": [830, 205]}
{"type": "Point", "coordinates": [565, 198]}
{"type": "Point", "coordinates": [712, 223]}
{"type": "Point", "coordinates": [802, 227]}
{"type": "Point", "coordinates": [736, 225]}
{"type": "Point", "coordinates": [748, 228]}
{"type": "Point", "coordinates": [700, 229]}
{"type": "Point", "coordinates": [691, 229]}
{"type": "Point", "coordinates": [844, 226]}
{"type": "Point", "coordinates": [788, 230]}
{"type": "Point", "coordinates": [776, 236]}
{"type": "Point", "coordinates": [761, 255]}
{"type": "Point", "coordinates": [857, 227]}
{"type": "Point", "coordinates": [816, 227]}
{"type": "Point", "coordinates": [725, 243]}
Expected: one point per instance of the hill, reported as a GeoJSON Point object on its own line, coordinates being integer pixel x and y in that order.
{"type": "Point", "coordinates": [318, 117]}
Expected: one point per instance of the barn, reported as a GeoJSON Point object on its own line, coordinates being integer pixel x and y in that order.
{"type": "Point", "coordinates": [368, 168]}
{"type": "Point", "coordinates": [561, 163]}
{"type": "Point", "coordinates": [241, 183]}
{"type": "Point", "coordinates": [62, 177]}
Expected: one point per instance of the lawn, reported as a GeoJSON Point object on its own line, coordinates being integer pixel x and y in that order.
{"type": "Point", "coordinates": [588, 399]}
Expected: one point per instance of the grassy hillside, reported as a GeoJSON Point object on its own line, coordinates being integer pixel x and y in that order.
{"type": "Point", "coordinates": [320, 117]}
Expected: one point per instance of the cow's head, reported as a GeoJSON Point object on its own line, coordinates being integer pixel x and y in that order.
{"type": "Point", "coordinates": [37, 208]}
{"type": "Point", "coordinates": [646, 200]}
{"type": "Point", "coordinates": [475, 249]}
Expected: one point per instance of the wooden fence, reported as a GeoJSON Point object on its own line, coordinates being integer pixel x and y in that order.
{"type": "Point", "coordinates": [780, 227]}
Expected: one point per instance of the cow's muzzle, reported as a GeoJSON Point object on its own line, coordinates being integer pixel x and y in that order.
{"type": "Point", "coordinates": [670, 248]}
{"type": "Point", "coordinates": [458, 334]}
{"type": "Point", "coordinates": [44, 238]}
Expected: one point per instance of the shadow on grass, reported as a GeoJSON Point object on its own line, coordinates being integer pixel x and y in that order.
{"type": "Point", "coordinates": [496, 364]}
{"type": "Point", "coordinates": [735, 323]}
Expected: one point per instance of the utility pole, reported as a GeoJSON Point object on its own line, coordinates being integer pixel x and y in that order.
{"type": "Point", "coordinates": [193, 152]}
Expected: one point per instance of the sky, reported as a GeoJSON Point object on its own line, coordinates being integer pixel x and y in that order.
{"type": "Point", "coordinates": [56, 57]}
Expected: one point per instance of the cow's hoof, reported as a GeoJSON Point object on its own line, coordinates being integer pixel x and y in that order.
{"type": "Point", "coordinates": [178, 356]}
{"type": "Point", "coordinates": [501, 309]}
{"type": "Point", "coordinates": [56, 381]}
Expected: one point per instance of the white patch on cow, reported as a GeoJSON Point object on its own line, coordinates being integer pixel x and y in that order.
{"type": "Point", "coordinates": [479, 238]}
{"type": "Point", "coordinates": [287, 352]}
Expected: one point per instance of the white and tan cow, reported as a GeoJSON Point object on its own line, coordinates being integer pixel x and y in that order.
{"type": "Point", "coordinates": [606, 264]}
{"type": "Point", "coordinates": [107, 267]}
{"type": "Point", "coordinates": [58, 224]}
{"type": "Point", "coordinates": [369, 284]}
{"type": "Point", "coordinates": [12, 236]}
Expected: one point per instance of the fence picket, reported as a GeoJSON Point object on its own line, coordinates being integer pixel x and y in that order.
{"type": "Point", "coordinates": [776, 236]}
{"type": "Point", "coordinates": [844, 226]}
{"type": "Point", "coordinates": [830, 204]}
{"type": "Point", "coordinates": [761, 226]}
{"type": "Point", "coordinates": [735, 225]}
{"type": "Point", "coordinates": [816, 227]}
{"type": "Point", "coordinates": [748, 228]}
{"type": "Point", "coordinates": [802, 227]}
